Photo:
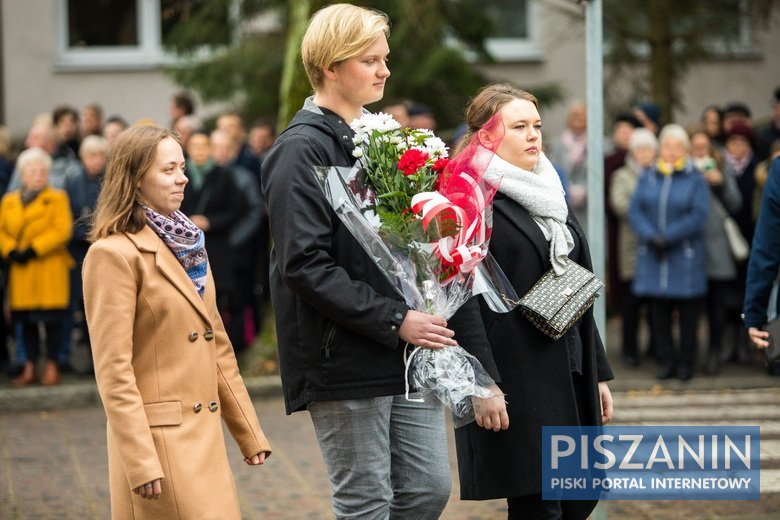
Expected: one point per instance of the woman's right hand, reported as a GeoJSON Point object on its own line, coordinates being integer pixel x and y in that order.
{"type": "Point", "coordinates": [426, 330]}
{"type": "Point", "coordinates": [490, 413]}
{"type": "Point", "coordinates": [151, 489]}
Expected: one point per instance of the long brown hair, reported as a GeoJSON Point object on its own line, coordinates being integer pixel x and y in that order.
{"type": "Point", "coordinates": [486, 103]}
{"type": "Point", "coordinates": [130, 157]}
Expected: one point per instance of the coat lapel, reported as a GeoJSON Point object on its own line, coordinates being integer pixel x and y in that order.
{"type": "Point", "coordinates": [148, 241]}
{"type": "Point", "coordinates": [525, 223]}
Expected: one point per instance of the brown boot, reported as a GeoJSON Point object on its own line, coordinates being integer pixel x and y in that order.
{"type": "Point", "coordinates": [27, 376]}
{"type": "Point", "coordinates": [51, 373]}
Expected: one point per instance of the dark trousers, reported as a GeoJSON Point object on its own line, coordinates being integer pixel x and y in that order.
{"type": "Point", "coordinates": [230, 305]}
{"type": "Point", "coordinates": [32, 339]}
{"type": "Point", "coordinates": [662, 310]}
{"type": "Point", "coordinates": [631, 310]}
{"type": "Point", "coordinates": [718, 293]}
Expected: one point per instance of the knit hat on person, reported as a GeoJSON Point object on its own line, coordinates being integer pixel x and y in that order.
{"type": "Point", "coordinates": [742, 130]}
{"type": "Point", "coordinates": [651, 110]}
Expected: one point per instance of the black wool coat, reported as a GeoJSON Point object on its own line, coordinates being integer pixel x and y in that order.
{"type": "Point", "coordinates": [219, 200]}
{"type": "Point", "coordinates": [535, 370]}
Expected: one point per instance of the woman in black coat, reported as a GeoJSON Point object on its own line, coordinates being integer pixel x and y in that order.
{"type": "Point", "coordinates": [546, 382]}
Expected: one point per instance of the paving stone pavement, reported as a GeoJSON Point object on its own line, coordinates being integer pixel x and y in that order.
{"type": "Point", "coordinates": [53, 464]}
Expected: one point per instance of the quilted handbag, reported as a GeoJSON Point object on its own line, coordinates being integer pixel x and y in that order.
{"type": "Point", "coordinates": [555, 303]}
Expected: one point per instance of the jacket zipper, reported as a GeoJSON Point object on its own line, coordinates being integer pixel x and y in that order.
{"type": "Point", "coordinates": [331, 331]}
{"type": "Point", "coordinates": [665, 189]}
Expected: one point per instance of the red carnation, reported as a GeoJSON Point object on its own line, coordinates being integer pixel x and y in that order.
{"type": "Point", "coordinates": [440, 164]}
{"type": "Point", "coordinates": [411, 161]}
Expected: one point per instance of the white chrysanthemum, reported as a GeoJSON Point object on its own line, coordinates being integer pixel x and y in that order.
{"type": "Point", "coordinates": [435, 147]}
{"type": "Point", "coordinates": [380, 122]}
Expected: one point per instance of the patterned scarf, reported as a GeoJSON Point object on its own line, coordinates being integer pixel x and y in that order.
{"type": "Point", "coordinates": [541, 194]}
{"type": "Point", "coordinates": [186, 242]}
{"type": "Point", "coordinates": [739, 165]}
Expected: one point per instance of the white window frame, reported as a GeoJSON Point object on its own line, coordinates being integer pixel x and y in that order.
{"type": "Point", "coordinates": [519, 49]}
{"type": "Point", "coordinates": [148, 54]}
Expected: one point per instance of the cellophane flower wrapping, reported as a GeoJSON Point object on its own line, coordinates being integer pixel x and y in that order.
{"type": "Point", "coordinates": [425, 221]}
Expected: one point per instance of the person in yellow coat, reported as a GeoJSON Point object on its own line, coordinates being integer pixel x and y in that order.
{"type": "Point", "coordinates": [164, 366]}
{"type": "Point", "coordinates": [35, 228]}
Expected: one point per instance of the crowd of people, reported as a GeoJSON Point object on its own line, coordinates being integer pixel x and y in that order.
{"type": "Point", "coordinates": [679, 236]}
{"type": "Point", "coordinates": [651, 274]}
{"type": "Point", "coordinates": [51, 189]}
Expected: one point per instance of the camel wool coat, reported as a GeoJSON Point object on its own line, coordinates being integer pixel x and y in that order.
{"type": "Point", "coordinates": [167, 376]}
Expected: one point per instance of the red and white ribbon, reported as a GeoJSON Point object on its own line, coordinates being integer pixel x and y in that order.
{"type": "Point", "coordinates": [463, 250]}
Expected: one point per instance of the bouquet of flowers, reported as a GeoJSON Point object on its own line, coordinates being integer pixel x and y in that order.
{"type": "Point", "coordinates": [425, 220]}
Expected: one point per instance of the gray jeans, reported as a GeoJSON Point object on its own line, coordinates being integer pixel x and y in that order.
{"type": "Point", "coordinates": [386, 457]}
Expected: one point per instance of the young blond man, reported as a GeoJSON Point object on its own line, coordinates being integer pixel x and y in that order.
{"type": "Point", "coordinates": [340, 325]}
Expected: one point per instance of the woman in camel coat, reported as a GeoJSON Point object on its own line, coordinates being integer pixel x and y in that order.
{"type": "Point", "coordinates": [164, 366]}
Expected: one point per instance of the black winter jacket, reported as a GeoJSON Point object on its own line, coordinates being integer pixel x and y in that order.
{"type": "Point", "coordinates": [337, 318]}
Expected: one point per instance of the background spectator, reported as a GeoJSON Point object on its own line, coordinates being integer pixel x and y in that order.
{"type": "Point", "coordinates": [64, 164]}
{"type": "Point", "coordinates": [185, 126]}
{"type": "Point", "coordinates": [668, 213]}
{"type": "Point", "coordinates": [113, 126]}
{"type": "Point", "coordinates": [91, 120]}
{"type": "Point", "coordinates": [83, 192]}
{"type": "Point", "coordinates": [569, 152]}
{"type": "Point", "coordinates": [261, 137]}
{"type": "Point", "coordinates": [182, 104]}
{"type": "Point", "coordinates": [712, 122]}
{"type": "Point", "coordinates": [769, 133]}
{"type": "Point", "coordinates": [643, 147]}
{"type": "Point", "coordinates": [725, 200]}
{"type": "Point", "coordinates": [215, 204]}
{"type": "Point", "coordinates": [421, 116]}
{"type": "Point", "coordinates": [736, 113]}
{"type": "Point", "coordinates": [35, 227]}
{"type": "Point", "coordinates": [6, 160]}
{"type": "Point", "coordinates": [65, 119]}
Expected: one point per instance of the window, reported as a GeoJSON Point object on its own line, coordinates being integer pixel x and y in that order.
{"type": "Point", "coordinates": [515, 31]}
{"type": "Point", "coordinates": [128, 34]}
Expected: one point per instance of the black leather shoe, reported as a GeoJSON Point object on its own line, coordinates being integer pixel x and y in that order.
{"type": "Point", "coordinates": [666, 373]}
{"type": "Point", "coordinates": [684, 373]}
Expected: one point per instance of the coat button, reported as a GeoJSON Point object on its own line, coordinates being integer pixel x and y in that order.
{"type": "Point", "coordinates": [197, 408]}
{"type": "Point", "coordinates": [208, 335]}
{"type": "Point", "coordinates": [213, 406]}
{"type": "Point", "coordinates": [393, 327]}
{"type": "Point", "coordinates": [399, 316]}
{"type": "Point", "coordinates": [193, 336]}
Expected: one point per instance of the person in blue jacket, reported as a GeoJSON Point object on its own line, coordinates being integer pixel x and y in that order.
{"type": "Point", "coordinates": [764, 263]}
{"type": "Point", "coordinates": [669, 213]}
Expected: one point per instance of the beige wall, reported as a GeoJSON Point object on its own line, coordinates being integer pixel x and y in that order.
{"type": "Point", "coordinates": [33, 85]}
